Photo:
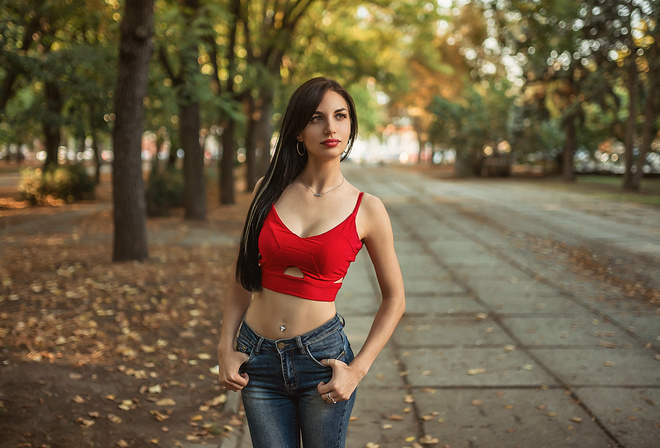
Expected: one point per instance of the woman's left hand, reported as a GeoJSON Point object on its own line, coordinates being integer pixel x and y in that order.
{"type": "Point", "coordinates": [344, 381]}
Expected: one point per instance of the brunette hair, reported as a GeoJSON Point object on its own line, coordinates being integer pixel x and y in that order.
{"type": "Point", "coordinates": [286, 164]}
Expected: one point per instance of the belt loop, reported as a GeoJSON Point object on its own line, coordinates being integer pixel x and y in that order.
{"type": "Point", "coordinates": [342, 320]}
{"type": "Point", "coordinates": [300, 345]}
{"type": "Point", "coordinates": [257, 348]}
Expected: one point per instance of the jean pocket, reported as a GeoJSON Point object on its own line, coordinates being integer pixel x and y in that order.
{"type": "Point", "coordinates": [330, 347]}
{"type": "Point", "coordinates": [244, 346]}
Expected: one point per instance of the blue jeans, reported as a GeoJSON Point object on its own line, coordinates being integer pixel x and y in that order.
{"type": "Point", "coordinates": [282, 404]}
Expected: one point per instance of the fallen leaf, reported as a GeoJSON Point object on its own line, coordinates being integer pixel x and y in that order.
{"type": "Point", "coordinates": [160, 417]}
{"type": "Point", "coordinates": [609, 364]}
{"type": "Point", "coordinates": [85, 422]}
{"type": "Point", "coordinates": [607, 344]}
{"type": "Point", "coordinates": [476, 371]}
{"type": "Point", "coordinates": [428, 440]}
{"type": "Point", "coordinates": [114, 419]}
{"type": "Point", "coordinates": [220, 399]}
{"type": "Point", "coordinates": [396, 418]}
{"type": "Point", "coordinates": [235, 421]}
{"type": "Point", "coordinates": [122, 443]}
{"type": "Point", "coordinates": [166, 402]}
{"type": "Point", "coordinates": [196, 418]}
{"type": "Point", "coordinates": [408, 399]}
{"type": "Point", "coordinates": [387, 426]}
{"type": "Point", "coordinates": [477, 403]}
{"type": "Point", "coordinates": [576, 419]}
{"type": "Point", "coordinates": [648, 400]}
{"type": "Point", "coordinates": [78, 399]}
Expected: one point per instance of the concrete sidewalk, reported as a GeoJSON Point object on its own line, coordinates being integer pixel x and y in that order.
{"type": "Point", "coordinates": [500, 345]}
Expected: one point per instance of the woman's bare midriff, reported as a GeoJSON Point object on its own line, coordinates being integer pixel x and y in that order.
{"type": "Point", "coordinates": [269, 310]}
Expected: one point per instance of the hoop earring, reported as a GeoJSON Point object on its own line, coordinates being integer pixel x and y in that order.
{"type": "Point", "coordinates": [300, 153]}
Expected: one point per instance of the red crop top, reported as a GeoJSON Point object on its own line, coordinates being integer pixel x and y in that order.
{"type": "Point", "coordinates": [323, 259]}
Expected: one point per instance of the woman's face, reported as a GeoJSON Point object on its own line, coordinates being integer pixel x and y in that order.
{"type": "Point", "coordinates": [327, 132]}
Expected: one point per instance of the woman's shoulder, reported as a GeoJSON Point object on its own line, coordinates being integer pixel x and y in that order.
{"type": "Point", "coordinates": [371, 203]}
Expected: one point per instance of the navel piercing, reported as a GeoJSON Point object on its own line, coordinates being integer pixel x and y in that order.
{"type": "Point", "coordinates": [282, 327]}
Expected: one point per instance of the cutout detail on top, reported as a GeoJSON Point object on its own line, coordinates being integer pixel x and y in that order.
{"type": "Point", "coordinates": [294, 272]}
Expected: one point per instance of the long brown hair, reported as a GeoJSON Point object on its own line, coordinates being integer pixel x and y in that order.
{"type": "Point", "coordinates": [284, 167]}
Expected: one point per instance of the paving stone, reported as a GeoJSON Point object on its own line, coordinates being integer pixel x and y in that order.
{"type": "Point", "coordinates": [631, 415]}
{"type": "Point", "coordinates": [426, 305]}
{"type": "Point", "coordinates": [466, 367]}
{"type": "Point", "coordinates": [540, 304]}
{"type": "Point", "coordinates": [601, 366]}
{"type": "Point", "coordinates": [485, 418]}
{"type": "Point", "coordinates": [582, 330]}
{"type": "Point", "coordinates": [416, 331]}
{"type": "Point", "coordinates": [375, 419]}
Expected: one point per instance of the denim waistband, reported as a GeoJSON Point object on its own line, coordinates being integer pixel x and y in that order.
{"type": "Point", "coordinates": [318, 333]}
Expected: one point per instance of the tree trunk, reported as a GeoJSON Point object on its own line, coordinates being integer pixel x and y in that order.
{"type": "Point", "coordinates": [51, 125]}
{"type": "Point", "coordinates": [97, 159]}
{"type": "Point", "coordinates": [568, 173]}
{"type": "Point", "coordinates": [174, 147]}
{"type": "Point", "coordinates": [264, 132]}
{"type": "Point", "coordinates": [227, 193]}
{"type": "Point", "coordinates": [251, 142]}
{"type": "Point", "coordinates": [631, 85]}
{"type": "Point", "coordinates": [130, 230]}
{"type": "Point", "coordinates": [649, 120]}
{"type": "Point", "coordinates": [194, 188]}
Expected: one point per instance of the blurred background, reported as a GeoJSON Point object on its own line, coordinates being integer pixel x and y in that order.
{"type": "Point", "coordinates": [483, 88]}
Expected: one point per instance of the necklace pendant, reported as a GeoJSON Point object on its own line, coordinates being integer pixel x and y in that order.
{"type": "Point", "coordinates": [282, 327]}
{"type": "Point", "coordinates": [318, 195]}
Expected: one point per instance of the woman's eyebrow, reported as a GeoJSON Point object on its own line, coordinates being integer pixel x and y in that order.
{"type": "Point", "coordinates": [342, 109]}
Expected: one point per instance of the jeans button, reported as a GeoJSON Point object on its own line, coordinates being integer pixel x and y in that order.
{"type": "Point", "coordinates": [280, 345]}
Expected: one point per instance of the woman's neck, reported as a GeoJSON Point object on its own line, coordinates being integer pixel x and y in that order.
{"type": "Point", "coordinates": [321, 177]}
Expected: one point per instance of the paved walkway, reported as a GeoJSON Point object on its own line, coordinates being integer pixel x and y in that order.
{"type": "Point", "coordinates": [504, 342]}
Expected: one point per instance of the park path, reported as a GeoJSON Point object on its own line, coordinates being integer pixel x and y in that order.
{"type": "Point", "coordinates": [507, 341]}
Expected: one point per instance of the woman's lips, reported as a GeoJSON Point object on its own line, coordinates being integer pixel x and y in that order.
{"type": "Point", "coordinates": [331, 142]}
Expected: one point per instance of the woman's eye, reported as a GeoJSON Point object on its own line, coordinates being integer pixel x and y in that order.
{"type": "Point", "coordinates": [316, 119]}
{"type": "Point", "coordinates": [341, 116]}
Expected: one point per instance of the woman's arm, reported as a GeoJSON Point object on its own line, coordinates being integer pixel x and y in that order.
{"type": "Point", "coordinates": [236, 303]}
{"type": "Point", "coordinates": [235, 306]}
{"type": "Point", "coordinates": [378, 238]}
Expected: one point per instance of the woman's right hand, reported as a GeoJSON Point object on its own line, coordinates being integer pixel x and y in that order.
{"type": "Point", "coordinates": [229, 362]}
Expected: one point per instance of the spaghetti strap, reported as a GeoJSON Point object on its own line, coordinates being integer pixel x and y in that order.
{"type": "Point", "coordinates": [357, 204]}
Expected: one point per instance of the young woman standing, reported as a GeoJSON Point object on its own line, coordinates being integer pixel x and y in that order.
{"type": "Point", "coordinates": [282, 343]}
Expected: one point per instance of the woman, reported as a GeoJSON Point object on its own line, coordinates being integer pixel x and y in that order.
{"type": "Point", "coordinates": [306, 224]}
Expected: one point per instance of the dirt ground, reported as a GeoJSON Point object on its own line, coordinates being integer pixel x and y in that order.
{"type": "Point", "coordinates": [102, 354]}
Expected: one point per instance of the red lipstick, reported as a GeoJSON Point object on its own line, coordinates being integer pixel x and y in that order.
{"type": "Point", "coordinates": [331, 142]}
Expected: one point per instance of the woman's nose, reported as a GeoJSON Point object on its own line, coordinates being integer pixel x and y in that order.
{"type": "Point", "coordinates": [330, 127]}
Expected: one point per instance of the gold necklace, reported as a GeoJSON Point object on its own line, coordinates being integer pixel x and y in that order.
{"type": "Point", "coordinates": [319, 195]}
